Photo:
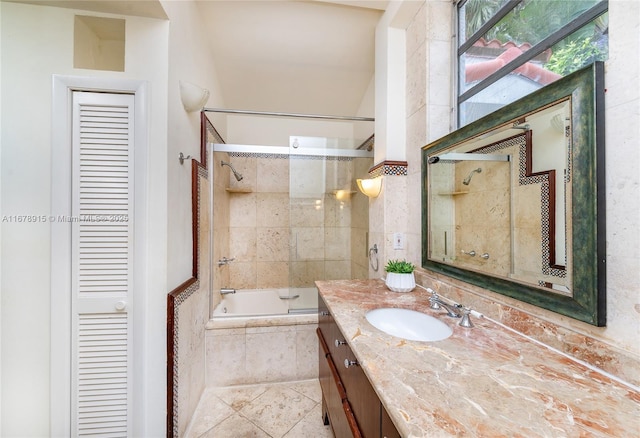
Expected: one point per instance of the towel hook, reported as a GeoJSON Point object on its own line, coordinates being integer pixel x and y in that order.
{"type": "Point", "coordinates": [181, 157]}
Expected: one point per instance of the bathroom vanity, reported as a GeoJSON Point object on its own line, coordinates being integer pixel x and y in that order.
{"type": "Point", "coordinates": [349, 402]}
{"type": "Point", "coordinates": [481, 381]}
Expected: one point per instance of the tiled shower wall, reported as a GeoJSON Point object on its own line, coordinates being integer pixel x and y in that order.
{"type": "Point", "coordinates": [305, 227]}
{"type": "Point", "coordinates": [359, 223]}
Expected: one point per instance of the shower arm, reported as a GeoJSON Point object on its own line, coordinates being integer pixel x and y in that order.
{"type": "Point", "coordinates": [236, 174]}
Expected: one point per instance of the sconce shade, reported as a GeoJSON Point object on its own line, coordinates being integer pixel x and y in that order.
{"type": "Point", "coordinates": [193, 97]}
{"type": "Point", "coordinates": [370, 187]}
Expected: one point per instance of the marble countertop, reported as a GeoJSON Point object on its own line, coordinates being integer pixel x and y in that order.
{"type": "Point", "coordinates": [486, 381]}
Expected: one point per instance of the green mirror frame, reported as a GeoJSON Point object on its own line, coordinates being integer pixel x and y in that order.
{"type": "Point", "coordinates": [588, 300]}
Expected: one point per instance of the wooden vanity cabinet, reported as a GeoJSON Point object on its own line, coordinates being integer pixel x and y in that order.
{"type": "Point", "coordinates": [333, 394]}
{"type": "Point", "coordinates": [349, 402]}
{"type": "Point", "coordinates": [387, 428]}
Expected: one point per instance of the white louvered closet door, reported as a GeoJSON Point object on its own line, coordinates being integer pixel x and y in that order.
{"type": "Point", "coordinates": [102, 264]}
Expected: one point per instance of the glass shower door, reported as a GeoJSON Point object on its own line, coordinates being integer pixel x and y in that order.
{"type": "Point", "coordinates": [322, 197]}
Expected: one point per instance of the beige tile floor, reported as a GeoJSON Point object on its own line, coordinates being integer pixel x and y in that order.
{"type": "Point", "coordinates": [276, 410]}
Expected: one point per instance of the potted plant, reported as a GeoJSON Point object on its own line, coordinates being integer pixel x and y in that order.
{"type": "Point", "coordinates": [400, 276]}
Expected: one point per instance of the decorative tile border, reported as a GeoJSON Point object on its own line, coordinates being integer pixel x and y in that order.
{"type": "Point", "coordinates": [179, 295]}
{"type": "Point", "coordinates": [213, 136]}
{"type": "Point", "coordinates": [545, 211]}
{"type": "Point", "coordinates": [258, 155]}
{"type": "Point", "coordinates": [176, 298]}
{"type": "Point", "coordinates": [547, 194]}
{"type": "Point", "coordinates": [395, 168]}
{"type": "Point", "coordinates": [368, 144]}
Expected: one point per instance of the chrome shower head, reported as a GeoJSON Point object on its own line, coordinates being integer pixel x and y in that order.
{"type": "Point", "coordinates": [237, 174]}
{"type": "Point", "coordinates": [467, 180]}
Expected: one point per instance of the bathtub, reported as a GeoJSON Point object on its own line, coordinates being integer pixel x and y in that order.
{"type": "Point", "coordinates": [255, 336]}
{"type": "Point", "coordinates": [260, 302]}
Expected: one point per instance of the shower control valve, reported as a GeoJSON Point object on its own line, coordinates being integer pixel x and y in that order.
{"type": "Point", "coordinates": [225, 261]}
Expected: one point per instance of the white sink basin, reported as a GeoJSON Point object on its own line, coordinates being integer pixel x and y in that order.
{"type": "Point", "coordinates": [409, 324]}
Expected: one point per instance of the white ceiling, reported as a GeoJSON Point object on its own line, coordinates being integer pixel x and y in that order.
{"type": "Point", "coordinates": [295, 56]}
{"type": "Point", "coordinates": [314, 57]}
{"type": "Point", "coordinates": [140, 8]}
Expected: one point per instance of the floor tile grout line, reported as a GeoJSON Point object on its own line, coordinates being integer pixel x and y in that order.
{"type": "Point", "coordinates": [263, 388]}
{"type": "Point", "coordinates": [269, 388]}
{"type": "Point", "coordinates": [256, 425]}
{"type": "Point", "coordinates": [217, 423]}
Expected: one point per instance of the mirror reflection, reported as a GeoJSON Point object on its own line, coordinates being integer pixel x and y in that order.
{"type": "Point", "coordinates": [500, 202]}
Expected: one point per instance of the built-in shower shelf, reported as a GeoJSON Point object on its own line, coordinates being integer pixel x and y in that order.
{"type": "Point", "coordinates": [454, 193]}
{"type": "Point", "coordinates": [339, 194]}
{"type": "Point", "coordinates": [238, 190]}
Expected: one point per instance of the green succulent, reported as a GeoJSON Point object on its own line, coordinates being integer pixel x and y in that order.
{"type": "Point", "coordinates": [399, 267]}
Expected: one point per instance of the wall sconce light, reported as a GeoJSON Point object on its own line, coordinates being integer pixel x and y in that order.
{"type": "Point", "coordinates": [370, 187]}
{"type": "Point", "coordinates": [193, 97]}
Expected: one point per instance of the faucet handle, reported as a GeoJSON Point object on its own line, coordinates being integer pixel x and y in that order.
{"type": "Point", "coordinates": [433, 299]}
{"type": "Point", "coordinates": [466, 320]}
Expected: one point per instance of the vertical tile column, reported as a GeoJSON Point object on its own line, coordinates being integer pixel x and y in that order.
{"type": "Point", "coordinates": [414, 74]}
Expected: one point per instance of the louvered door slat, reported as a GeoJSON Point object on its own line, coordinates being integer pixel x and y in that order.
{"type": "Point", "coordinates": [102, 263]}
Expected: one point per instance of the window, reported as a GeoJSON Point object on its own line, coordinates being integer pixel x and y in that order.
{"type": "Point", "coordinates": [510, 48]}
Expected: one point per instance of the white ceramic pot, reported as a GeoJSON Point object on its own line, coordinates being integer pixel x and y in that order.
{"type": "Point", "coordinates": [400, 282]}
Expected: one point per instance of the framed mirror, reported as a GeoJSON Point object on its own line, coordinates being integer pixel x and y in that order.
{"type": "Point", "coordinates": [514, 202]}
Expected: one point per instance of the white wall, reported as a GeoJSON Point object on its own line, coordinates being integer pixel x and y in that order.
{"type": "Point", "coordinates": [190, 60]}
{"type": "Point", "coordinates": [37, 42]}
{"type": "Point", "coordinates": [622, 112]}
{"type": "Point", "coordinates": [275, 131]}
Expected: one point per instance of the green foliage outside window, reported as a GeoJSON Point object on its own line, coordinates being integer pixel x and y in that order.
{"type": "Point", "coordinates": [575, 55]}
{"type": "Point", "coordinates": [533, 20]}
{"type": "Point", "coordinates": [590, 44]}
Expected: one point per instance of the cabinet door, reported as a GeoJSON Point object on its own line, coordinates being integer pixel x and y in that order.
{"type": "Point", "coordinates": [324, 373]}
{"type": "Point", "coordinates": [363, 399]}
{"type": "Point", "coordinates": [387, 428]}
{"type": "Point", "coordinates": [333, 393]}
{"type": "Point", "coordinates": [335, 407]}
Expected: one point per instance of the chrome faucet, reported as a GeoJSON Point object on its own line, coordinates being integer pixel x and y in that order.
{"type": "Point", "coordinates": [437, 303]}
{"type": "Point", "coordinates": [227, 290]}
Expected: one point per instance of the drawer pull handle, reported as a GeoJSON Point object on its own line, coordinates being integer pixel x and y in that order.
{"type": "Point", "coordinates": [338, 342]}
{"type": "Point", "coordinates": [324, 313]}
{"type": "Point", "coordinates": [348, 363]}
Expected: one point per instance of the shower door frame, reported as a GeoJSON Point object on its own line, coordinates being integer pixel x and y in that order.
{"type": "Point", "coordinates": [288, 151]}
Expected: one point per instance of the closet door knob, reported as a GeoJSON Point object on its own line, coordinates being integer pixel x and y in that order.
{"type": "Point", "coordinates": [121, 305]}
{"type": "Point", "coordinates": [338, 342]}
